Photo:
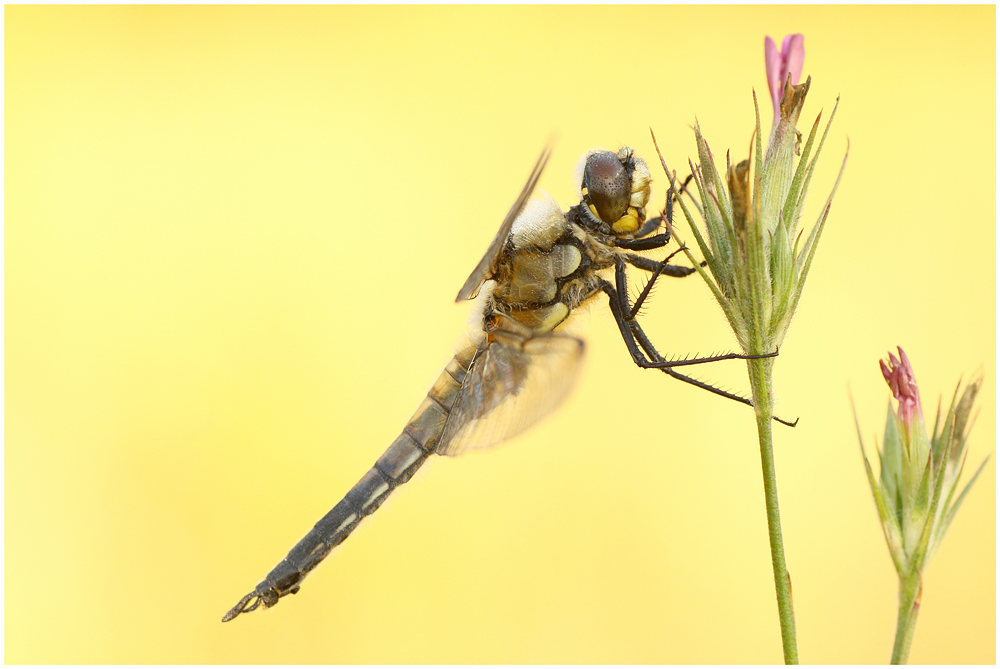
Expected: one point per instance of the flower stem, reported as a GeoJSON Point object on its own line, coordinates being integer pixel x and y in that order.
{"type": "Point", "coordinates": [763, 401]}
{"type": "Point", "coordinates": [910, 589]}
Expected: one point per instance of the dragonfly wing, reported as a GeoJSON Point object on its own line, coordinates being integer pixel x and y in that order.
{"type": "Point", "coordinates": [513, 383]}
{"type": "Point", "coordinates": [487, 266]}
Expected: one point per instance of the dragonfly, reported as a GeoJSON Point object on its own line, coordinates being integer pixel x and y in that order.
{"type": "Point", "coordinates": [542, 265]}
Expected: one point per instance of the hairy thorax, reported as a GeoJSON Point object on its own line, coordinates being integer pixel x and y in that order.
{"type": "Point", "coordinates": [549, 268]}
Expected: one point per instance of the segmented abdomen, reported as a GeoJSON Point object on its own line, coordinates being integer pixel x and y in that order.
{"type": "Point", "coordinates": [399, 462]}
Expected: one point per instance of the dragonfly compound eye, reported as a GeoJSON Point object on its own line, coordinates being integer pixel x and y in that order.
{"type": "Point", "coordinates": [607, 184]}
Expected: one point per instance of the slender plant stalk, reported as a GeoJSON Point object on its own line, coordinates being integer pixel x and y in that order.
{"type": "Point", "coordinates": [763, 401]}
{"type": "Point", "coordinates": [909, 605]}
{"type": "Point", "coordinates": [758, 270]}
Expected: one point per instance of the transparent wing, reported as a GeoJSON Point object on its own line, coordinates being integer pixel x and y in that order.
{"type": "Point", "coordinates": [512, 384]}
{"type": "Point", "coordinates": [487, 265]}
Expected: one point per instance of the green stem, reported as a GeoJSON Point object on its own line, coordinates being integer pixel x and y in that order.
{"type": "Point", "coordinates": [909, 605]}
{"type": "Point", "coordinates": [763, 401]}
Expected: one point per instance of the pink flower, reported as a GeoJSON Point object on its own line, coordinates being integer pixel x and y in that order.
{"type": "Point", "coordinates": [780, 64]}
{"type": "Point", "coordinates": [899, 375]}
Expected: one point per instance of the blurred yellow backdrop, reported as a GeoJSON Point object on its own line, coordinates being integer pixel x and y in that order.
{"type": "Point", "coordinates": [233, 239]}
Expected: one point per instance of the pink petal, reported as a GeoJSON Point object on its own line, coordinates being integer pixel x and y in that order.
{"type": "Point", "coordinates": [899, 375]}
{"type": "Point", "coordinates": [793, 55]}
{"type": "Point", "coordinates": [780, 64]}
{"type": "Point", "coordinates": [772, 67]}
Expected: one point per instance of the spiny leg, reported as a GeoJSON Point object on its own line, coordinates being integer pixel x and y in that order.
{"type": "Point", "coordinates": [630, 329]}
{"type": "Point", "coordinates": [657, 268]}
{"type": "Point", "coordinates": [647, 244]}
{"type": "Point", "coordinates": [650, 265]}
{"type": "Point", "coordinates": [621, 284]}
{"type": "Point", "coordinates": [649, 227]}
{"type": "Point", "coordinates": [634, 337]}
{"type": "Point", "coordinates": [651, 351]}
{"type": "Point", "coordinates": [625, 328]}
{"type": "Point", "coordinates": [636, 331]}
{"type": "Point", "coordinates": [623, 310]}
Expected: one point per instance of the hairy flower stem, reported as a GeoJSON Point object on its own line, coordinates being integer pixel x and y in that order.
{"type": "Point", "coordinates": [909, 605]}
{"type": "Point", "coordinates": [763, 402]}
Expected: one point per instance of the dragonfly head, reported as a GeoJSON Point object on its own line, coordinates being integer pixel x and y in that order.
{"type": "Point", "coordinates": [615, 189]}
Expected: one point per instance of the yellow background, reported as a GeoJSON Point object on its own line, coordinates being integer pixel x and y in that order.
{"type": "Point", "coordinates": [233, 239]}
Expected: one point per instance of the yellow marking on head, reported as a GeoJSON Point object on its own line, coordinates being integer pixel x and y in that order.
{"type": "Point", "coordinates": [639, 198]}
{"type": "Point", "coordinates": [641, 181]}
{"type": "Point", "coordinates": [626, 224]}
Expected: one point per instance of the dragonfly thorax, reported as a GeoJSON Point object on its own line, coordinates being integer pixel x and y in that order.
{"type": "Point", "coordinates": [541, 256]}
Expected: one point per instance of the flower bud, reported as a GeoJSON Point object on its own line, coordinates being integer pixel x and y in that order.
{"type": "Point", "coordinates": [915, 493]}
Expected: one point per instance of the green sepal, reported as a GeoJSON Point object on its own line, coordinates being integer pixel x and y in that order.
{"type": "Point", "coordinates": [714, 201]}
{"type": "Point", "coordinates": [792, 211]}
{"type": "Point", "coordinates": [811, 167]}
{"type": "Point", "coordinates": [805, 258]}
{"type": "Point", "coordinates": [891, 463]}
{"type": "Point", "coordinates": [950, 513]}
{"type": "Point", "coordinates": [782, 283]}
{"type": "Point", "coordinates": [890, 528]}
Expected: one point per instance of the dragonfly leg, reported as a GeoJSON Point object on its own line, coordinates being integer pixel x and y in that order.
{"type": "Point", "coordinates": [649, 227]}
{"type": "Point", "coordinates": [646, 243]}
{"type": "Point", "coordinates": [634, 337]}
{"type": "Point", "coordinates": [624, 315]}
{"type": "Point", "coordinates": [651, 351]}
{"type": "Point", "coordinates": [643, 242]}
{"type": "Point", "coordinates": [658, 269]}
{"type": "Point", "coordinates": [660, 266]}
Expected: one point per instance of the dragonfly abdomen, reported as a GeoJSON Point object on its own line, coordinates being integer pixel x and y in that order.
{"type": "Point", "coordinates": [397, 465]}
